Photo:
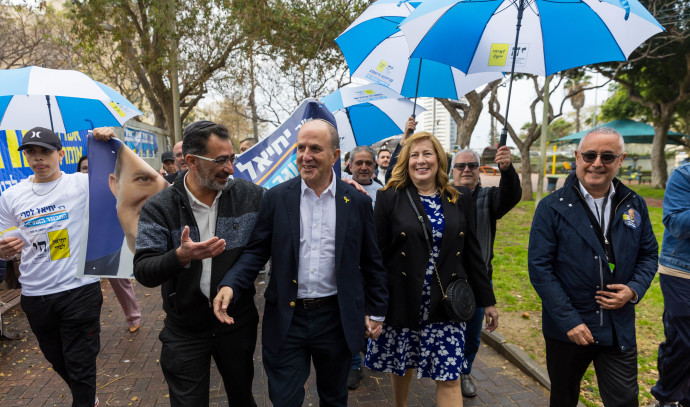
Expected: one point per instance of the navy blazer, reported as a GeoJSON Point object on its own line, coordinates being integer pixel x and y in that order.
{"type": "Point", "coordinates": [360, 275]}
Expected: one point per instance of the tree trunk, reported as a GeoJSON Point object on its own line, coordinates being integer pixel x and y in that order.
{"type": "Point", "coordinates": [659, 170]}
{"type": "Point", "coordinates": [526, 172]}
{"type": "Point", "coordinates": [466, 127]}
{"type": "Point", "coordinates": [252, 97]}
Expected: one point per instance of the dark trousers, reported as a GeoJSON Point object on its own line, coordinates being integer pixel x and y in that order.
{"type": "Point", "coordinates": [186, 364]}
{"type": "Point", "coordinates": [67, 325]}
{"type": "Point", "coordinates": [314, 336]}
{"type": "Point", "coordinates": [674, 352]}
{"type": "Point", "coordinates": [473, 334]}
{"type": "Point", "coordinates": [616, 372]}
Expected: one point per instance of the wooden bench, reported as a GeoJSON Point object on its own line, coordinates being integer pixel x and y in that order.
{"type": "Point", "coordinates": [10, 296]}
{"type": "Point", "coordinates": [9, 299]}
{"type": "Point", "coordinates": [488, 170]}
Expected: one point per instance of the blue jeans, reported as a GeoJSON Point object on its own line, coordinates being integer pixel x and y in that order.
{"type": "Point", "coordinates": [673, 362]}
{"type": "Point", "coordinates": [473, 332]}
{"type": "Point", "coordinates": [356, 363]}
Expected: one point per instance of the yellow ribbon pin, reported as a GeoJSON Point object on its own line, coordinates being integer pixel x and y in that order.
{"type": "Point", "coordinates": [346, 199]}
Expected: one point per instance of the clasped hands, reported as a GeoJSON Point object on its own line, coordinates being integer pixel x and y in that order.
{"type": "Point", "coordinates": [617, 296]}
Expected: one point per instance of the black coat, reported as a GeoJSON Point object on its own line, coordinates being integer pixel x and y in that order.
{"type": "Point", "coordinates": [405, 254]}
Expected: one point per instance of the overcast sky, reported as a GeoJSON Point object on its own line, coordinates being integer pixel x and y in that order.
{"type": "Point", "coordinates": [522, 96]}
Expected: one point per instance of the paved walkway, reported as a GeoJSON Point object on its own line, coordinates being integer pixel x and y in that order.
{"type": "Point", "coordinates": [129, 373]}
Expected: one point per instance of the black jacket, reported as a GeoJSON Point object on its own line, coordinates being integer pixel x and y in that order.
{"type": "Point", "coordinates": [405, 254]}
{"type": "Point", "coordinates": [491, 203]}
{"type": "Point", "coordinates": [160, 225]}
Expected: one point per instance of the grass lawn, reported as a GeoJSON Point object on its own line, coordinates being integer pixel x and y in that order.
{"type": "Point", "coordinates": [520, 307]}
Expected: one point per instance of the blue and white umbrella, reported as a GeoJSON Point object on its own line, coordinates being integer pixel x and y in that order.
{"type": "Point", "coordinates": [368, 113]}
{"type": "Point", "coordinates": [62, 100]}
{"type": "Point", "coordinates": [546, 36]}
{"type": "Point", "coordinates": [376, 50]}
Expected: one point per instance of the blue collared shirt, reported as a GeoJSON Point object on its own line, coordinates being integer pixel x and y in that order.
{"type": "Point", "coordinates": [316, 268]}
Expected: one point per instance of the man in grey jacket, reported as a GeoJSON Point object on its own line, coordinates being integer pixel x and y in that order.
{"type": "Point", "coordinates": [189, 235]}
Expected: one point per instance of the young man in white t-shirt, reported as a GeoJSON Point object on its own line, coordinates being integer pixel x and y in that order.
{"type": "Point", "coordinates": [63, 310]}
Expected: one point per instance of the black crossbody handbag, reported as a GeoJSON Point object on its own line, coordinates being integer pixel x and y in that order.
{"type": "Point", "coordinates": [458, 298]}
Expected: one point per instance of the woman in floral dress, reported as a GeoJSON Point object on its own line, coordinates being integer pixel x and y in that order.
{"type": "Point", "coordinates": [417, 333]}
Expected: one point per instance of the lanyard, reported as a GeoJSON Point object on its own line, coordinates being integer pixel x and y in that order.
{"type": "Point", "coordinates": [601, 215]}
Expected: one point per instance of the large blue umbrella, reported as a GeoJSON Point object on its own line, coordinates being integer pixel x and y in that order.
{"type": "Point", "coordinates": [376, 50]}
{"type": "Point", "coordinates": [547, 36]}
{"type": "Point", "coordinates": [62, 100]}
{"type": "Point", "coordinates": [368, 113]}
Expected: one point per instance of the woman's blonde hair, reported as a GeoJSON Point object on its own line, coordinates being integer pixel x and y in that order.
{"type": "Point", "coordinates": [400, 177]}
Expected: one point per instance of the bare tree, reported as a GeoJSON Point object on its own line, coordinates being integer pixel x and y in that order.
{"type": "Point", "coordinates": [467, 121]}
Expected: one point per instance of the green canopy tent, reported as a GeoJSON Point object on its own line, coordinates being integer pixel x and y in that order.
{"type": "Point", "coordinates": [632, 132]}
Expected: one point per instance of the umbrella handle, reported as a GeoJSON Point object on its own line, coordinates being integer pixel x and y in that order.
{"type": "Point", "coordinates": [504, 132]}
{"type": "Point", "coordinates": [416, 91]}
{"type": "Point", "coordinates": [50, 114]}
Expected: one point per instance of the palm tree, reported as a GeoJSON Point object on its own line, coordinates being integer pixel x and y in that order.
{"type": "Point", "coordinates": [575, 86]}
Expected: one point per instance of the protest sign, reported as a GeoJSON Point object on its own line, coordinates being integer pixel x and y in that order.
{"type": "Point", "coordinates": [272, 160]}
{"type": "Point", "coordinates": [13, 164]}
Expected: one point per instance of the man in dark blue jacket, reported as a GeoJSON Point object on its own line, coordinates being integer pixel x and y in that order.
{"type": "Point", "coordinates": [592, 256]}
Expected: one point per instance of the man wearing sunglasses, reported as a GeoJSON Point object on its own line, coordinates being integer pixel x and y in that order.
{"type": "Point", "coordinates": [491, 203]}
{"type": "Point", "coordinates": [188, 236]}
{"type": "Point", "coordinates": [592, 256]}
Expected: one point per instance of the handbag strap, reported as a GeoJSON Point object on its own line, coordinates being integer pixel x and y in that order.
{"type": "Point", "coordinates": [428, 242]}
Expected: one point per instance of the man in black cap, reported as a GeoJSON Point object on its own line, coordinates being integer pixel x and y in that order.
{"type": "Point", "coordinates": [169, 168]}
{"type": "Point", "coordinates": [63, 311]}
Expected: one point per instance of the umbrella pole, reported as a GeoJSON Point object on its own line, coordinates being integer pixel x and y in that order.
{"type": "Point", "coordinates": [504, 132]}
{"type": "Point", "coordinates": [416, 90]}
{"type": "Point", "coordinates": [50, 114]}
{"type": "Point", "coordinates": [349, 120]}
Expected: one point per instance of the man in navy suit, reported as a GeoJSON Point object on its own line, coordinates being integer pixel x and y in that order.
{"type": "Point", "coordinates": [327, 290]}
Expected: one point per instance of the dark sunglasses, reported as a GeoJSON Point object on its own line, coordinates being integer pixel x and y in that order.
{"type": "Point", "coordinates": [461, 166]}
{"type": "Point", "coordinates": [606, 158]}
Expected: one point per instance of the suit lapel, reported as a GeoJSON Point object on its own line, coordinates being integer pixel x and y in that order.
{"type": "Point", "coordinates": [292, 201]}
{"type": "Point", "coordinates": [420, 207]}
{"type": "Point", "coordinates": [343, 202]}
{"type": "Point", "coordinates": [451, 213]}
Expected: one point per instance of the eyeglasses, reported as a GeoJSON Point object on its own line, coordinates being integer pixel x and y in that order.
{"type": "Point", "coordinates": [222, 161]}
{"type": "Point", "coordinates": [606, 158]}
{"type": "Point", "coordinates": [461, 166]}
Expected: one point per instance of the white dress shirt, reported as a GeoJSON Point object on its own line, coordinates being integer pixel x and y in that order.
{"type": "Point", "coordinates": [316, 268]}
{"type": "Point", "coordinates": [205, 217]}
{"type": "Point", "coordinates": [595, 206]}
